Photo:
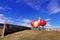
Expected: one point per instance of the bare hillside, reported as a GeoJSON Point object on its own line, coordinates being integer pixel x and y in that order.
{"type": "Point", "coordinates": [33, 35]}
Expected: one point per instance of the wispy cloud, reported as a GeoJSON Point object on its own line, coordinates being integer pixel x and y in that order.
{"type": "Point", "coordinates": [34, 4]}
{"type": "Point", "coordinates": [49, 25]}
{"type": "Point", "coordinates": [26, 20]}
{"type": "Point", "coordinates": [55, 11]}
{"type": "Point", "coordinates": [5, 8]}
{"type": "Point", "coordinates": [53, 7]}
{"type": "Point", "coordinates": [1, 15]}
{"type": "Point", "coordinates": [4, 19]}
{"type": "Point", "coordinates": [18, 21]}
{"type": "Point", "coordinates": [48, 19]}
{"type": "Point", "coordinates": [23, 22]}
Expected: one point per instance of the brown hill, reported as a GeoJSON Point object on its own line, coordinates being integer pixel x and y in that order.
{"type": "Point", "coordinates": [33, 35]}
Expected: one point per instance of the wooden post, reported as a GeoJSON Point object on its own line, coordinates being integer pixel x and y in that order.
{"type": "Point", "coordinates": [3, 31]}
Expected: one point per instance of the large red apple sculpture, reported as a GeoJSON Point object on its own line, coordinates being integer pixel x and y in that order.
{"type": "Point", "coordinates": [42, 23]}
{"type": "Point", "coordinates": [34, 24]}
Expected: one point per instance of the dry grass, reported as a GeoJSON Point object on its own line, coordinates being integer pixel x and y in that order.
{"type": "Point", "coordinates": [33, 35]}
{"type": "Point", "coordinates": [0, 31]}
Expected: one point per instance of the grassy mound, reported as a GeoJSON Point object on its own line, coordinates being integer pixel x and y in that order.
{"type": "Point", "coordinates": [33, 35]}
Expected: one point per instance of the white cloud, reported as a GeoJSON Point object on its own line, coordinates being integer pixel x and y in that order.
{"type": "Point", "coordinates": [20, 21]}
{"type": "Point", "coordinates": [1, 15]}
{"type": "Point", "coordinates": [56, 10]}
{"type": "Point", "coordinates": [53, 7]}
{"type": "Point", "coordinates": [25, 24]}
{"type": "Point", "coordinates": [48, 19]}
{"type": "Point", "coordinates": [4, 19]}
{"type": "Point", "coordinates": [49, 25]}
{"type": "Point", "coordinates": [26, 20]}
{"type": "Point", "coordinates": [35, 4]}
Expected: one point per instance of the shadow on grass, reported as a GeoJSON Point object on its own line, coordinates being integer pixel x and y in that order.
{"type": "Point", "coordinates": [15, 29]}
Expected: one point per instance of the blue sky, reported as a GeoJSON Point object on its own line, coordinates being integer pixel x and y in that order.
{"type": "Point", "coordinates": [21, 12]}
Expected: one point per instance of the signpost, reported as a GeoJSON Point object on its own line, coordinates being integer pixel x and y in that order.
{"type": "Point", "coordinates": [3, 31]}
